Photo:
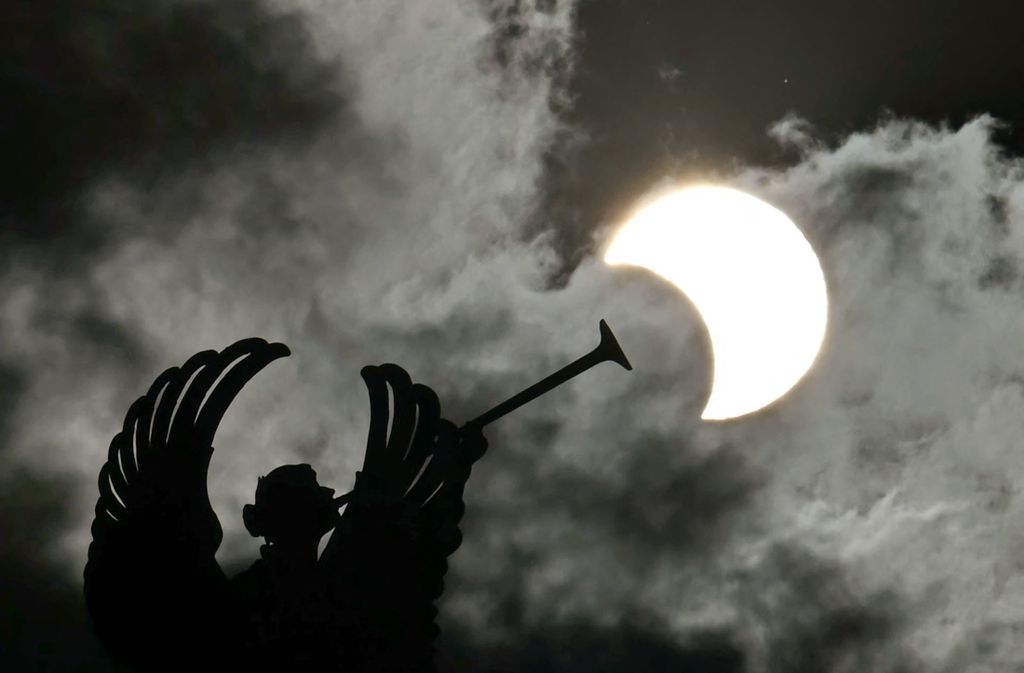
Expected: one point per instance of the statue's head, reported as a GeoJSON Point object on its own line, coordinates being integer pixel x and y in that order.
{"type": "Point", "coordinates": [291, 506]}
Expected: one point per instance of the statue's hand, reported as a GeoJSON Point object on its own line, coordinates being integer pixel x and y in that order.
{"type": "Point", "coordinates": [470, 446]}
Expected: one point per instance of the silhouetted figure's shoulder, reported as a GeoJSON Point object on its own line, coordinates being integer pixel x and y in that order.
{"type": "Point", "coordinates": [252, 586]}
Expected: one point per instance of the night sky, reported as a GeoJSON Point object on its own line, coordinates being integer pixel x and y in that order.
{"type": "Point", "coordinates": [430, 183]}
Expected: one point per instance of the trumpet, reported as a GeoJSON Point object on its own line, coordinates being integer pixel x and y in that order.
{"type": "Point", "coordinates": [607, 350]}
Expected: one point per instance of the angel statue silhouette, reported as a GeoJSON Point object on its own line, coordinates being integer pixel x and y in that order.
{"type": "Point", "coordinates": [159, 600]}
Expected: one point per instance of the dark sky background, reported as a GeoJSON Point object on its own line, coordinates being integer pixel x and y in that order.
{"type": "Point", "coordinates": [428, 183]}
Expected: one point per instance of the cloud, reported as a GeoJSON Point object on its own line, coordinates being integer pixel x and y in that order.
{"type": "Point", "coordinates": [96, 92]}
{"type": "Point", "coordinates": [912, 407]}
{"type": "Point", "coordinates": [92, 87]}
{"type": "Point", "coordinates": [336, 160]}
{"type": "Point", "coordinates": [804, 613]}
{"type": "Point", "coordinates": [44, 619]}
{"type": "Point", "coordinates": [582, 647]}
{"type": "Point", "coordinates": [868, 520]}
{"type": "Point", "coordinates": [12, 382]}
{"type": "Point", "coordinates": [876, 522]}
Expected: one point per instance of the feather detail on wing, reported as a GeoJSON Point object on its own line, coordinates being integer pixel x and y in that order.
{"type": "Point", "coordinates": [154, 590]}
{"type": "Point", "coordinates": [388, 556]}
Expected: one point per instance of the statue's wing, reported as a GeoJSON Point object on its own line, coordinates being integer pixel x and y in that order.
{"type": "Point", "coordinates": [157, 597]}
{"type": "Point", "coordinates": [388, 555]}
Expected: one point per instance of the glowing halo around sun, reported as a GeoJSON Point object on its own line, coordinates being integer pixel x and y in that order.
{"type": "Point", "coordinates": [754, 279]}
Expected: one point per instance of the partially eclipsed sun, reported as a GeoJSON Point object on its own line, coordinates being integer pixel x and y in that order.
{"type": "Point", "coordinates": [752, 276]}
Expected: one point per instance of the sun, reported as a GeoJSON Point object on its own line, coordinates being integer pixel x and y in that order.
{"type": "Point", "coordinates": [754, 278]}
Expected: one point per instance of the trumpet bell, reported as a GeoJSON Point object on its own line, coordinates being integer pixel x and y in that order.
{"type": "Point", "coordinates": [609, 348]}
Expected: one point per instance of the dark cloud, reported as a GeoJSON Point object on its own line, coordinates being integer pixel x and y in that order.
{"type": "Point", "coordinates": [796, 613]}
{"type": "Point", "coordinates": [866, 192]}
{"type": "Point", "coordinates": [12, 386]}
{"type": "Point", "coordinates": [523, 47]}
{"type": "Point", "coordinates": [93, 326]}
{"type": "Point", "coordinates": [93, 87]}
{"type": "Point", "coordinates": [584, 648]}
{"type": "Point", "coordinates": [999, 211]}
{"type": "Point", "coordinates": [817, 621]}
{"type": "Point", "coordinates": [43, 625]}
{"type": "Point", "coordinates": [101, 339]}
{"type": "Point", "coordinates": [870, 194]}
{"type": "Point", "coordinates": [1001, 273]}
{"type": "Point", "coordinates": [682, 508]}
